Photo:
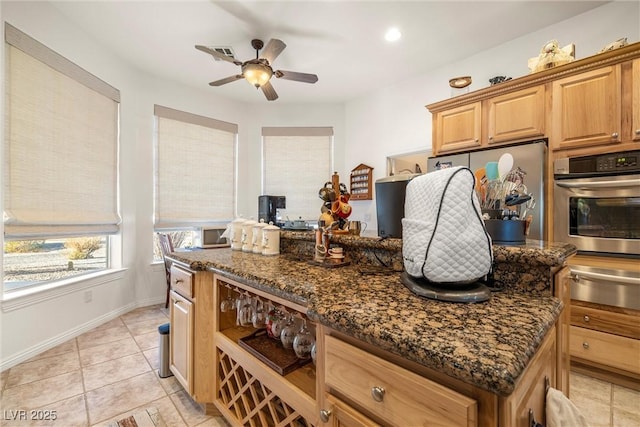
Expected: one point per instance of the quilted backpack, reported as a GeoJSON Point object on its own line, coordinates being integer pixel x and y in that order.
{"type": "Point", "coordinates": [444, 239]}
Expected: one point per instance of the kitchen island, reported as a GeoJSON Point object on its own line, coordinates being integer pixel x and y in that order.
{"type": "Point", "coordinates": [481, 348]}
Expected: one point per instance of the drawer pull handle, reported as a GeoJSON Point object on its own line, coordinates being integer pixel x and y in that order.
{"type": "Point", "coordinates": [377, 393]}
{"type": "Point", "coordinates": [585, 345]}
{"type": "Point", "coordinates": [614, 135]}
{"type": "Point", "coordinates": [179, 281]}
{"type": "Point", "coordinates": [324, 415]}
{"type": "Point", "coordinates": [586, 318]}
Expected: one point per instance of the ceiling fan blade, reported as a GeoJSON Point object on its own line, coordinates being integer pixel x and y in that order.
{"type": "Point", "coordinates": [298, 77]}
{"type": "Point", "coordinates": [269, 91]}
{"type": "Point", "coordinates": [272, 50]}
{"type": "Point", "coordinates": [218, 55]}
{"type": "Point", "coordinates": [226, 80]}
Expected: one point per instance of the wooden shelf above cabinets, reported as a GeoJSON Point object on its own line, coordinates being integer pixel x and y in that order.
{"type": "Point", "coordinates": [362, 182]}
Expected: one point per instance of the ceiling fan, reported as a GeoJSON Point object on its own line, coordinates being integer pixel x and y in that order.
{"type": "Point", "coordinates": [258, 71]}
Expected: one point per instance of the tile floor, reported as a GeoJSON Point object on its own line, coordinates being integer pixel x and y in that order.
{"type": "Point", "coordinates": [604, 404]}
{"type": "Point", "coordinates": [101, 376]}
{"type": "Point", "coordinates": [111, 372]}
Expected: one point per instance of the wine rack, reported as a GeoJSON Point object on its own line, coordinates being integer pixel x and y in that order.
{"type": "Point", "coordinates": [248, 390]}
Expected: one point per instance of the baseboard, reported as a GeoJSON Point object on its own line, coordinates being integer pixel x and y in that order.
{"type": "Point", "coordinates": [74, 332]}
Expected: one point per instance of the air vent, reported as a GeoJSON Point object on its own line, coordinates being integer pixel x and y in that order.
{"type": "Point", "coordinates": [225, 50]}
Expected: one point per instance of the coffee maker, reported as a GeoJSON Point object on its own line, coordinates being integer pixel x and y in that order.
{"type": "Point", "coordinates": [390, 192]}
{"type": "Point", "coordinates": [268, 207]}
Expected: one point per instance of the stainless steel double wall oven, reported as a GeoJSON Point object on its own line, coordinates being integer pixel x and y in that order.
{"type": "Point", "coordinates": [597, 208]}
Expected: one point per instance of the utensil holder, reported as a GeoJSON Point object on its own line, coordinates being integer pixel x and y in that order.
{"type": "Point", "coordinates": [506, 232]}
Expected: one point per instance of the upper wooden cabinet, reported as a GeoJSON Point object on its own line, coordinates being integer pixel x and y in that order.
{"type": "Point", "coordinates": [586, 106]}
{"type": "Point", "coordinates": [457, 129]}
{"type": "Point", "coordinates": [510, 117]}
{"type": "Point", "coordinates": [587, 109]}
{"type": "Point", "coordinates": [635, 100]}
{"type": "Point", "coordinates": [516, 115]}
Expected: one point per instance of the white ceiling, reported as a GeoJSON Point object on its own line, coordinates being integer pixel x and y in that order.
{"type": "Point", "coordinates": [340, 41]}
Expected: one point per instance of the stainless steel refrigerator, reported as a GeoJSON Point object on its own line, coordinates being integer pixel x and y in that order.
{"type": "Point", "coordinates": [530, 157]}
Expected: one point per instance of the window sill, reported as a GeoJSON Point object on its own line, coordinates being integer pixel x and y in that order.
{"type": "Point", "coordinates": [25, 297]}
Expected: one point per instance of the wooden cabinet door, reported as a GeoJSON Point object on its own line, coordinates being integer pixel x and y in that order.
{"type": "Point", "coordinates": [586, 109]}
{"type": "Point", "coordinates": [343, 415]}
{"type": "Point", "coordinates": [181, 340]}
{"type": "Point", "coordinates": [457, 129]}
{"type": "Point", "coordinates": [562, 290]}
{"type": "Point", "coordinates": [516, 116]}
{"type": "Point", "coordinates": [530, 394]}
{"type": "Point", "coordinates": [635, 100]}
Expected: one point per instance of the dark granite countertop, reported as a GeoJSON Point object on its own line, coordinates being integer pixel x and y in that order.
{"type": "Point", "coordinates": [486, 344]}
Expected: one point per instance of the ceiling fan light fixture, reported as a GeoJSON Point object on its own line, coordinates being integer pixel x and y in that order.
{"type": "Point", "coordinates": [257, 74]}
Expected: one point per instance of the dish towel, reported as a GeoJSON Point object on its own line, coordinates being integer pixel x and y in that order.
{"type": "Point", "coordinates": [561, 412]}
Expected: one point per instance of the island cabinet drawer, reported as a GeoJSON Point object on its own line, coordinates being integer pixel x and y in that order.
{"type": "Point", "coordinates": [391, 393]}
{"type": "Point", "coordinates": [606, 349]}
{"type": "Point", "coordinates": [623, 324]}
{"type": "Point", "coordinates": [182, 281]}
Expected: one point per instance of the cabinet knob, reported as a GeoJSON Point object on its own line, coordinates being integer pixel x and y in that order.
{"type": "Point", "coordinates": [476, 140]}
{"type": "Point", "coordinates": [324, 415]}
{"type": "Point", "coordinates": [637, 131]}
{"type": "Point", "coordinates": [585, 345]}
{"type": "Point", "coordinates": [377, 393]}
{"type": "Point", "coordinates": [490, 138]}
{"type": "Point", "coordinates": [614, 135]}
{"type": "Point", "coordinates": [586, 318]}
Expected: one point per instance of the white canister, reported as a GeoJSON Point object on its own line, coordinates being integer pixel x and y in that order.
{"type": "Point", "coordinates": [236, 233]}
{"type": "Point", "coordinates": [247, 235]}
{"type": "Point", "coordinates": [257, 237]}
{"type": "Point", "coordinates": [270, 240]}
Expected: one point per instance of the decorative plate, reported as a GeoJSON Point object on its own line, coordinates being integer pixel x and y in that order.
{"type": "Point", "coordinates": [460, 82]}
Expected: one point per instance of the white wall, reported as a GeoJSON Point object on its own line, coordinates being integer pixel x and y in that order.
{"type": "Point", "coordinates": [394, 120]}
{"type": "Point", "coordinates": [36, 325]}
{"type": "Point", "coordinates": [389, 121]}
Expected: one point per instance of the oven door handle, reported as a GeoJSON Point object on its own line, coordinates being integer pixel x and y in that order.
{"type": "Point", "coordinates": [599, 184]}
{"type": "Point", "coordinates": [603, 276]}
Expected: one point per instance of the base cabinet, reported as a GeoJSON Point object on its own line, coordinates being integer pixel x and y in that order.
{"type": "Point", "coordinates": [362, 389]}
{"type": "Point", "coordinates": [340, 414]}
{"type": "Point", "coordinates": [181, 340]}
{"type": "Point", "coordinates": [393, 394]}
{"type": "Point", "coordinates": [527, 402]}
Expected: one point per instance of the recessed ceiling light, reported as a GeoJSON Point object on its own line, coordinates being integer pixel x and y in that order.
{"type": "Point", "coordinates": [393, 34]}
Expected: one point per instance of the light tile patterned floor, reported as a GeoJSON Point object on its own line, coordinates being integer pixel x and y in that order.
{"type": "Point", "coordinates": [101, 376]}
{"type": "Point", "coordinates": [112, 371]}
{"type": "Point", "coordinates": [604, 404]}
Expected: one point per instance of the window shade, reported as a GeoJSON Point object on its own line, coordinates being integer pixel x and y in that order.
{"type": "Point", "coordinates": [195, 169]}
{"type": "Point", "coordinates": [296, 164]}
{"type": "Point", "coordinates": [61, 145]}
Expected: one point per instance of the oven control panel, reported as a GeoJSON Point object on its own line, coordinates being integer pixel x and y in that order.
{"type": "Point", "coordinates": [617, 162]}
{"type": "Point", "coordinates": [603, 164]}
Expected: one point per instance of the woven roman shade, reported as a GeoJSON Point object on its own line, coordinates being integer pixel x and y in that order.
{"type": "Point", "coordinates": [195, 169]}
{"type": "Point", "coordinates": [61, 145]}
{"type": "Point", "coordinates": [296, 164]}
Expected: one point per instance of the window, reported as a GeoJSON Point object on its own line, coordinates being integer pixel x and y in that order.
{"type": "Point", "coordinates": [60, 165]}
{"type": "Point", "coordinates": [296, 162]}
{"type": "Point", "coordinates": [195, 163]}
